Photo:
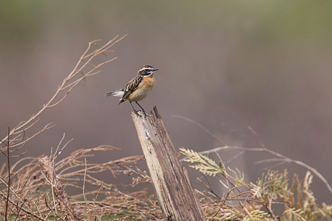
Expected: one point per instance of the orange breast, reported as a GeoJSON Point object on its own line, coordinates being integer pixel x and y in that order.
{"type": "Point", "coordinates": [143, 89]}
{"type": "Point", "coordinates": [148, 82]}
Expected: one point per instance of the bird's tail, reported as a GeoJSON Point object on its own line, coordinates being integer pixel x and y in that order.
{"type": "Point", "coordinates": [117, 93]}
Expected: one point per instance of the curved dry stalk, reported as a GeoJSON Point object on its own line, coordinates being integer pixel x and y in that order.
{"type": "Point", "coordinates": [83, 67]}
{"type": "Point", "coordinates": [279, 156]}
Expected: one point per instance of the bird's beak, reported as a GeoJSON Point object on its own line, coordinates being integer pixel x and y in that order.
{"type": "Point", "coordinates": [156, 69]}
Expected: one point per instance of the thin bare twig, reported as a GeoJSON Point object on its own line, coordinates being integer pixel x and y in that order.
{"type": "Point", "coordinates": [84, 179]}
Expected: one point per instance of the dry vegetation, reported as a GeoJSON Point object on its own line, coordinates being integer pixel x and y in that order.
{"type": "Point", "coordinates": [35, 188]}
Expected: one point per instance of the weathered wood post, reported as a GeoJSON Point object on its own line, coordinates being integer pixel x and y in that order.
{"type": "Point", "coordinates": [176, 196]}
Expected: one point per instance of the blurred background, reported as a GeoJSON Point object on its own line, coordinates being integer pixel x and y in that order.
{"type": "Point", "coordinates": [227, 65]}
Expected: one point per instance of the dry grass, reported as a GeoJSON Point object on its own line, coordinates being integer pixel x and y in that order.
{"type": "Point", "coordinates": [38, 191]}
{"type": "Point", "coordinates": [257, 201]}
{"type": "Point", "coordinates": [37, 188]}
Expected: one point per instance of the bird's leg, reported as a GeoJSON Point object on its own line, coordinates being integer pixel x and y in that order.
{"type": "Point", "coordinates": [141, 108]}
{"type": "Point", "coordinates": [133, 107]}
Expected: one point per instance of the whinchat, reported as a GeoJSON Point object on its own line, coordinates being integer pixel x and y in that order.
{"type": "Point", "coordinates": [137, 88]}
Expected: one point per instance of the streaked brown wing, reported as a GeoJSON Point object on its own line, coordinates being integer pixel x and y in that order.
{"type": "Point", "coordinates": [132, 86]}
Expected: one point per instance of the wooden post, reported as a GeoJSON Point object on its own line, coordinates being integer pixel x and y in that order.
{"type": "Point", "coordinates": [176, 196]}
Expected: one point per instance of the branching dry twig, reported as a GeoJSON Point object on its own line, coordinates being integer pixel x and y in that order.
{"type": "Point", "coordinates": [85, 67]}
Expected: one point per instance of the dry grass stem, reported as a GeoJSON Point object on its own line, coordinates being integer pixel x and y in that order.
{"type": "Point", "coordinates": [58, 189]}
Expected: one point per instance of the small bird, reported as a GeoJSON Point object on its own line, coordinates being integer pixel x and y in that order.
{"type": "Point", "coordinates": [137, 88]}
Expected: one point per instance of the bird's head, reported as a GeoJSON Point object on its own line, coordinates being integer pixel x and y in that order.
{"type": "Point", "coordinates": [147, 70]}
